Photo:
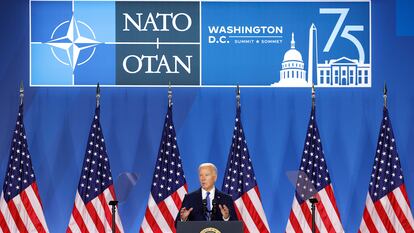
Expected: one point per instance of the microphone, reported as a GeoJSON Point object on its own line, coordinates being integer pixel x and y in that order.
{"type": "Point", "coordinates": [313, 200]}
{"type": "Point", "coordinates": [205, 206]}
{"type": "Point", "coordinates": [214, 209]}
{"type": "Point", "coordinates": [113, 202]}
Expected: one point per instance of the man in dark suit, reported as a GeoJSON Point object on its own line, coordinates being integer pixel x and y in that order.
{"type": "Point", "coordinates": [207, 203]}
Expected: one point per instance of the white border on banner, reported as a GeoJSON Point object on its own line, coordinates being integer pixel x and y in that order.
{"type": "Point", "coordinates": [200, 22]}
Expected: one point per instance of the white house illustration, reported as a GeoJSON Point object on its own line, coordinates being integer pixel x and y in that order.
{"type": "Point", "coordinates": [293, 72]}
{"type": "Point", "coordinates": [343, 72]}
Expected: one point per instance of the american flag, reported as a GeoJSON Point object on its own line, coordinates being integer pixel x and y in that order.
{"type": "Point", "coordinates": [91, 211]}
{"type": "Point", "coordinates": [314, 181]}
{"type": "Point", "coordinates": [20, 204]}
{"type": "Point", "coordinates": [240, 182]}
{"type": "Point", "coordinates": [168, 186]}
{"type": "Point", "coordinates": [387, 208]}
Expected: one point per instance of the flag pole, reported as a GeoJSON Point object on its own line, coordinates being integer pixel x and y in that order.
{"type": "Point", "coordinates": [238, 96]}
{"type": "Point", "coordinates": [21, 93]}
{"type": "Point", "coordinates": [313, 96]}
{"type": "Point", "coordinates": [385, 95]}
{"type": "Point", "coordinates": [313, 200]}
{"type": "Point", "coordinates": [98, 95]}
{"type": "Point", "coordinates": [169, 95]}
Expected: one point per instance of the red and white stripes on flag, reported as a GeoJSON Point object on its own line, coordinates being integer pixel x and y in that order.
{"type": "Point", "coordinates": [23, 213]}
{"type": "Point", "coordinates": [95, 216]}
{"type": "Point", "coordinates": [387, 208]}
{"type": "Point", "coordinates": [160, 217]}
{"type": "Point", "coordinates": [314, 181]}
{"type": "Point", "coordinates": [326, 218]}
{"type": "Point", "coordinates": [91, 211]}
{"type": "Point", "coordinates": [250, 210]}
{"type": "Point", "coordinates": [168, 186]}
{"type": "Point", "coordinates": [20, 205]}
{"type": "Point", "coordinates": [239, 181]}
{"type": "Point", "coordinates": [391, 213]}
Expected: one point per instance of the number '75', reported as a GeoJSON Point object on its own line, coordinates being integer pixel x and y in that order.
{"type": "Point", "coordinates": [343, 12]}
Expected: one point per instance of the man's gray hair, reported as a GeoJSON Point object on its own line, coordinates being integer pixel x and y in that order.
{"type": "Point", "coordinates": [208, 165]}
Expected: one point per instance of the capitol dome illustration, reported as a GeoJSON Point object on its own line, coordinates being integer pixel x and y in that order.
{"type": "Point", "coordinates": [292, 55]}
{"type": "Point", "coordinates": [293, 69]}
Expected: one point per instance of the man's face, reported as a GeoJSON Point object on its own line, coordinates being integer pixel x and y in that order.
{"type": "Point", "coordinates": [207, 177]}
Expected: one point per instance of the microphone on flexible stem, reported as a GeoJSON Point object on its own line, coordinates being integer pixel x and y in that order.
{"type": "Point", "coordinates": [214, 209]}
{"type": "Point", "coordinates": [205, 206]}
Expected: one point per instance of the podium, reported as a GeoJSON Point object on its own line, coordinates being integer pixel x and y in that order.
{"type": "Point", "coordinates": [210, 227]}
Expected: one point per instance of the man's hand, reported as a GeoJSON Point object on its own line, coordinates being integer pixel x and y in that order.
{"type": "Point", "coordinates": [224, 211]}
{"type": "Point", "coordinates": [184, 213]}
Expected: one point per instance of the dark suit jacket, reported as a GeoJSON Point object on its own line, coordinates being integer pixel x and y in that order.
{"type": "Point", "coordinates": [194, 200]}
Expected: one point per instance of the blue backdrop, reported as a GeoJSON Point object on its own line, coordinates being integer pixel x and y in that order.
{"type": "Point", "coordinates": [275, 120]}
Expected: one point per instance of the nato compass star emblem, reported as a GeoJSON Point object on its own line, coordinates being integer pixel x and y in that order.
{"type": "Point", "coordinates": [73, 43]}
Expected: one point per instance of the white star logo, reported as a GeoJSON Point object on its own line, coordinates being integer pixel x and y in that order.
{"type": "Point", "coordinates": [73, 43]}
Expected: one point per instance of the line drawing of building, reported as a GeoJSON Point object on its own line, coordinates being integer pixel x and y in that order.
{"type": "Point", "coordinates": [339, 72]}
{"type": "Point", "coordinates": [343, 72]}
{"type": "Point", "coordinates": [293, 72]}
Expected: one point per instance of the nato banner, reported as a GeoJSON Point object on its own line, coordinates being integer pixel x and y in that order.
{"type": "Point", "coordinates": [200, 43]}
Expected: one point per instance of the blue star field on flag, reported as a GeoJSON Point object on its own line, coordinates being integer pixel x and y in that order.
{"type": "Point", "coordinates": [96, 172]}
{"type": "Point", "coordinates": [20, 174]}
{"type": "Point", "coordinates": [386, 172]}
{"type": "Point", "coordinates": [168, 174]}
{"type": "Point", "coordinates": [239, 176]}
{"type": "Point", "coordinates": [313, 172]}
